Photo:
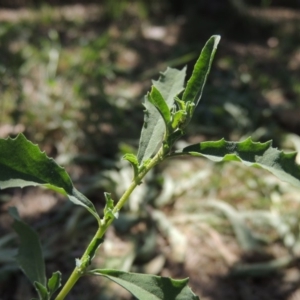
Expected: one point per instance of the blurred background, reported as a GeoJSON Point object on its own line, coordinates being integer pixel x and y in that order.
{"type": "Point", "coordinates": [73, 75]}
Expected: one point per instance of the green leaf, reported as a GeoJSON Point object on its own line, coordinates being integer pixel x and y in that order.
{"type": "Point", "coordinates": [150, 287]}
{"type": "Point", "coordinates": [133, 161]}
{"type": "Point", "coordinates": [178, 118]}
{"type": "Point", "coordinates": [170, 84]}
{"type": "Point", "coordinates": [54, 282]}
{"type": "Point", "coordinates": [159, 102]}
{"type": "Point", "coordinates": [195, 85]}
{"type": "Point", "coordinates": [109, 207]}
{"type": "Point", "coordinates": [42, 291]}
{"type": "Point", "coordinates": [79, 199]}
{"type": "Point", "coordinates": [30, 256]}
{"type": "Point", "coordinates": [261, 155]}
{"type": "Point", "coordinates": [23, 164]}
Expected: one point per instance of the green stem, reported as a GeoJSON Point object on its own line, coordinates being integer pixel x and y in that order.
{"type": "Point", "coordinates": [79, 270]}
{"type": "Point", "coordinates": [137, 180]}
{"type": "Point", "coordinates": [89, 252]}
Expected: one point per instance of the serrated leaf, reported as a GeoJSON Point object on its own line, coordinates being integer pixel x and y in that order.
{"type": "Point", "coordinates": [250, 153]}
{"type": "Point", "coordinates": [30, 256]}
{"type": "Point", "coordinates": [195, 84]}
{"type": "Point", "coordinates": [150, 287]}
{"type": "Point", "coordinates": [159, 102]}
{"type": "Point", "coordinates": [170, 84]}
{"type": "Point", "coordinates": [42, 291]}
{"type": "Point", "coordinates": [23, 164]}
{"type": "Point", "coordinates": [54, 282]}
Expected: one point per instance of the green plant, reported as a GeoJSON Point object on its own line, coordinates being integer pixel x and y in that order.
{"type": "Point", "coordinates": [169, 109]}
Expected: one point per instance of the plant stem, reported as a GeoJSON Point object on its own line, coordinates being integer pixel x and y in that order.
{"type": "Point", "coordinates": [78, 271]}
{"type": "Point", "coordinates": [89, 252]}
{"type": "Point", "coordinates": [137, 180]}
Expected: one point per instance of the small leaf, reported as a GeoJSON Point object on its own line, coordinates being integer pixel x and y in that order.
{"type": "Point", "coordinates": [109, 207]}
{"type": "Point", "coordinates": [30, 257]}
{"type": "Point", "coordinates": [150, 287]}
{"type": "Point", "coordinates": [42, 291]}
{"type": "Point", "coordinates": [159, 102]}
{"type": "Point", "coordinates": [170, 84]}
{"type": "Point", "coordinates": [178, 118]}
{"type": "Point", "coordinates": [261, 155]}
{"type": "Point", "coordinates": [195, 85]}
{"type": "Point", "coordinates": [134, 162]}
{"type": "Point", "coordinates": [23, 164]}
{"type": "Point", "coordinates": [54, 282]}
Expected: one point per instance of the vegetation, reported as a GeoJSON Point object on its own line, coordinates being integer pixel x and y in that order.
{"type": "Point", "coordinates": [99, 77]}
